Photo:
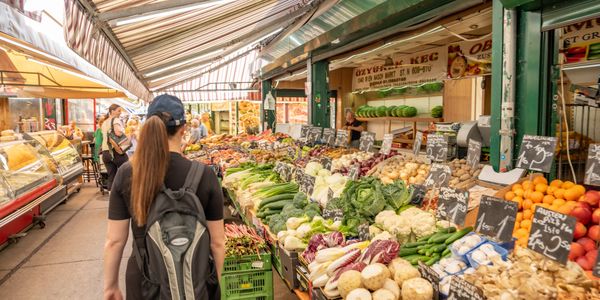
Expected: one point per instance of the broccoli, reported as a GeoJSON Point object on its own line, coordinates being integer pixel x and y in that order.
{"type": "Point", "coordinates": [277, 224]}
{"type": "Point", "coordinates": [293, 212]}
{"type": "Point", "coordinates": [300, 200]}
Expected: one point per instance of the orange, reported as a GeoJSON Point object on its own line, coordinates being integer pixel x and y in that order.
{"type": "Point", "coordinates": [556, 183]}
{"type": "Point", "coordinates": [546, 205]}
{"type": "Point", "coordinates": [541, 187]}
{"type": "Point", "coordinates": [526, 224]}
{"type": "Point", "coordinates": [565, 209]}
{"type": "Point", "coordinates": [519, 192]}
{"type": "Point", "coordinates": [554, 207]}
{"type": "Point", "coordinates": [536, 197]}
{"type": "Point", "coordinates": [550, 190]}
{"type": "Point", "coordinates": [527, 184]}
{"type": "Point", "coordinates": [519, 217]}
{"type": "Point", "coordinates": [516, 186]}
{"type": "Point", "coordinates": [567, 185]}
{"type": "Point", "coordinates": [509, 195]}
{"type": "Point", "coordinates": [580, 188]}
{"type": "Point", "coordinates": [571, 204]}
{"type": "Point", "coordinates": [548, 199]}
{"type": "Point", "coordinates": [527, 193]}
{"type": "Point", "coordinates": [572, 194]}
{"type": "Point", "coordinates": [521, 232]}
{"type": "Point", "coordinates": [558, 202]}
{"type": "Point", "coordinates": [518, 200]}
{"type": "Point", "coordinates": [559, 193]}
{"type": "Point", "coordinates": [527, 204]}
{"type": "Point", "coordinates": [522, 242]}
{"type": "Point", "coordinates": [540, 180]}
{"type": "Point", "coordinates": [527, 214]}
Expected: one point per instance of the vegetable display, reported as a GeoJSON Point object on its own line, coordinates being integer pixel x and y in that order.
{"type": "Point", "coordinates": [242, 240]}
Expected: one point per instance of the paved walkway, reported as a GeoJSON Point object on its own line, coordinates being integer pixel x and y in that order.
{"type": "Point", "coordinates": [64, 260]}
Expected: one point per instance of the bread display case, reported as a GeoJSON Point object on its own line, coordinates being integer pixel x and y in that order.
{"type": "Point", "coordinates": [25, 183]}
{"type": "Point", "coordinates": [60, 155]}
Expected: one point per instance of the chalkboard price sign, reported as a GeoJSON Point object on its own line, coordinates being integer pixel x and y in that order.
{"type": "Point", "coordinates": [592, 166]}
{"type": "Point", "coordinates": [354, 172]}
{"type": "Point", "coordinates": [432, 276]}
{"type": "Point", "coordinates": [418, 194]}
{"type": "Point", "coordinates": [363, 232]}
{"type": "Point", "coordinates": [341, 139]}
{"type": "Point", "coordinates": [307, 184]}
{"type": "Point", "coordinates": [417, 143]}
{"type": "Point", "coordinates": [333, 214]}
{"type": "Point", "coordinates": [453, 205]}
{"type": "Point", "coordinates": [473, 153]}
{"type": "Point", "coordinates": [326, 162]}
{"type": "Point", "coordinates": [551, 234]}
{"type": "Point", "coordinates": [386, 145]}
{"type": "Point", "coordinates": [304, 131]}
{"type": "Point", "coordinates": [437, 147]}
{"type": "Point", "coordinates": [328, 136]}
{"type": "Point", "coordinates": [496, 218]}
{"type": "Point", "coordinates": [314, 134]}
{"type": "Point", "coordinates": [439, 175]}
{"type": "Point", "coordinates": [537, 153]}
{"type": "Point", "coordinates": [461, 289]}
{"type": "Point", "coordinates": [298, 175]}
{"type": "Point", "coordinates": [366, 141]}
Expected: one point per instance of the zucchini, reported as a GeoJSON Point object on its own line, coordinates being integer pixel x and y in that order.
{"type": "Point", "coordinates": [425, 238]}
{"type": "Point", "coordinates": [450, 229]}
{"type": "Point", "coordinates": [276, 205]}
{"type": "Point", "coordinates": [407, 251]}
{"type": "Point", "coordinates": [410, 257]}
{"type": "Point", "coordinates": [442, 238]}
{"type": "Point", "coordinates": [414, 244]}
{"type": "Point", "coordinates": [415, 260]}
{"type": "Point", "coordinates": [275, 199]}
{"type": "Point", "coordinates": [457, 235]}
{"type": "Point", "coordinates": [447, 254]}
{"type": "Point", "coordinates": [435, 236]}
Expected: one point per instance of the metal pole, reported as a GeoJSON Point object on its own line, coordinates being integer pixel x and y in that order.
{"type": "Point", "coordinates": [508, 90]}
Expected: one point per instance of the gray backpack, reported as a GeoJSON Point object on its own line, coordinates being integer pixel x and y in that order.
{"type": "Point", "coordinates": [174, 253]}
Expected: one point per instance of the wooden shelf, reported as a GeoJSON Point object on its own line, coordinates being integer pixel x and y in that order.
{"type": "Point", "coordinates": [400, 119]}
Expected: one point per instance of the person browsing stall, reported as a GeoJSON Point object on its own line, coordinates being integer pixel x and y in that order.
{"type": "Point", "coordinates": [114, 143]}
{"type": "Point", "coordinates": [160, 179]}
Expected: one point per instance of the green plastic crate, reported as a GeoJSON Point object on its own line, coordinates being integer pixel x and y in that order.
{"type": "Point", "coordinates": [275, 259]}
{"type": "Point", "coordinates": [234, 264]}
{"type": "Point", "coordinates": [247, 285]}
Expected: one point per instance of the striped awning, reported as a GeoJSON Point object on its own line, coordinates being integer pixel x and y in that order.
{"type": "Point", "coordinates": [151, 44]}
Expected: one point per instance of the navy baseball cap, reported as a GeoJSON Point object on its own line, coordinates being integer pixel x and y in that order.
{"type": "Point", "coordinates": [169, 104]}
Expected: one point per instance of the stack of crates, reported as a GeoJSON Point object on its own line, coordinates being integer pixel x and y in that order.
{"type": "Point", "coordinates": [247, 277]}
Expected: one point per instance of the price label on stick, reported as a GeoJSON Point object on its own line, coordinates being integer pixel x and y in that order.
{"type": "Point", "coordinates": [473, 153]}
{"type": "Point", "coordinates": [366, 141]}
{"type": "Point", "coordinates": [461, 289]}
{"type": "Point", "coordinates": [304, 132]}
{"type": "Point", "coordinates": [439, 175]}
{"type": "Point", "coordinates": [537, 153]}
{"type": "Point", "coordinates": [363, 232]}
{"type": "Point", "coordinates": [298, 175]}
{"type": "Point", "coordinates": [386, 145]}
{"type": "Point", "coordinates": [354, 172]}
{"type": "Point", "coordinates": [437, 147]}
{"type": "Point", "coordinates": [314, 134]}
{"type": "Point", "coordinates": [341, 139]}
{"type": "Point", "coordinates": [432, 276]}
{"type": "Point", "coordinates": [417, 143]}
{"type": "Point", "coordinates": [551, 234]}
{"type": "Point", "coordinates": [453, 205]}
{"type": "Point", "coordinates": [496, 218]}
{"type": "Point", "coordinates": [326, 162]}
{"type": "Point", "coordinates": [418, 194]}
{"type": "Point", "coordinates": [592, 166]}
{"type": "Point", "coordinates": [307, 185]}
{"type": "Point", "coordinates": [328, 136]}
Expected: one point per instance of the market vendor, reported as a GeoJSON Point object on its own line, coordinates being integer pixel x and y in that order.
{"type": "Point", "coordinates": [355, 127]}
{"type": "Point", "coordinates": [197, 132]}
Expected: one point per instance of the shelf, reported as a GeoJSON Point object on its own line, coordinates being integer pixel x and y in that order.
{"type": "Point", "coordinates": [400, 119]}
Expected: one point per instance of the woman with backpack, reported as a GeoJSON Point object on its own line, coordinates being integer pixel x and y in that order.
{"type": "Point", "coordinates": [176, 209]}
{"type": "Point", "coordinates": [113, 155]}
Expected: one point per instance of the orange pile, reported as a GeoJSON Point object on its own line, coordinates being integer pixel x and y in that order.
{"type": "Point", "coordinates": [558, 196]}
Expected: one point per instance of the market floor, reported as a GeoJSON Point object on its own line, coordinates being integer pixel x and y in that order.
{"type": "Point", "coordinates": [64, 260]}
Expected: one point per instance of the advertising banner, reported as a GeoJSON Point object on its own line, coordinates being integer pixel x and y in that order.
{"type": "Point", "coordinates": [581, 41]}
{"type": "Point", "coordinates": [470, 58]}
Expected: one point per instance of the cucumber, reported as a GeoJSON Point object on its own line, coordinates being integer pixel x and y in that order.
{"type": "Point", "coordinates": [435, 236]}
{"type": "Point", "coordinates": [407, 251]}
{"type": "Point", "coordinates": [446, 252]}
{"type": "Point", "coordinates": [422, 251]}
{"type": "Point", "coordinates": [276, 205]}
{"type": "Point", "coordinates": [410, 257]}
{"type": "Point", "coordinates": [414, 244]}
{"type": "Point", "coordinates": [419, 258]}
{"type": "Point", "coordinates": [450, 229]}
{"type": "Point", "coordinates": [435, 258]}
{"type": "Point", "coordinates": [425, 238]}
{"type": "Point", "coordinates": [442, 238]}
{"type": "Point", "coordinates": [457, 235]}
{"type": "Point", "coordinates": [275, 199]}
{"type": "Point", "coordinates": [439, 248]}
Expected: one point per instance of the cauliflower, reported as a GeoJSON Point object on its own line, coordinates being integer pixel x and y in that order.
{"type": "Point", "coordinates": [383, 236]}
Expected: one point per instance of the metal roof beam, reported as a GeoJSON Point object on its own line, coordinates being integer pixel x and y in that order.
{"type": "Point", "coordinates": [150, 9]}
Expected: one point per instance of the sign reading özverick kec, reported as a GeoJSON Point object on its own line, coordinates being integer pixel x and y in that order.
{"type": "Point", "coordinates": [537, 153]}
{"type": "Point", "coordinates": [551, 234]}
{"type": "Point", "coordinates": [314, 134]}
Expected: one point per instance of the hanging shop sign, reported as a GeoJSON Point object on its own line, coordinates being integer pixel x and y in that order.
{"type": "Point", "coordinates": [421, 67]}
{"type": "Point", "coordinates": [581, 41]}
{"type": "Point", "coordinates": [470, 58]}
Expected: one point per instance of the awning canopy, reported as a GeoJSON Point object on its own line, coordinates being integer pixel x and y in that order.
{"type": "Point", "coordinates": [36, 66]}
{"type": "Point", "coordinates": [158, 39]}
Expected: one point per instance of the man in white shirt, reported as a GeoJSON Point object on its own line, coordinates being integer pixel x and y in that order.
{"type": "Point", "coordinates": [112, 160]}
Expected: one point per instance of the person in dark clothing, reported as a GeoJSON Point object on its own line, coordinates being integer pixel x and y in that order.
{"type": "Point", "coordinates": [112, 160]}
{"type": "Point", "coordinates": [355, 127]}
{"type": "Point", "coordinates": [157, 161]}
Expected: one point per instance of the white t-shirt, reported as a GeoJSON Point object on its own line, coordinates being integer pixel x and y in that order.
{"type": "Point", "coordinates": [118, 124]}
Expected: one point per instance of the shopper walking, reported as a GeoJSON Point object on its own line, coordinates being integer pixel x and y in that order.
{"type": "Point", "coordinates": [355, 127]}
{"type": "Point", "coordinates": [113, 155]}
{"type": "Point", "coordinates": [98, 139]}
{"type": "Point", "coordinates": [170, 212]}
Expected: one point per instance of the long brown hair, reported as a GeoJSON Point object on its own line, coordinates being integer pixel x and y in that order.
{"type": "Point", "coordinates": [149, 163]}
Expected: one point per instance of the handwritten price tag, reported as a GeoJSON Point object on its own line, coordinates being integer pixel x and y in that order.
{"type": "Point", "coordinates": [386, 145]}
{"type": "Point", "coordinates": [432, 276]}
{"type": "Point", "coordinates": [453, 205]}
{"type": "Point", "coordinates": [437, 147]}
{"type": "Point", "coordinates": [417, 143]}
{"type": "Point", "coordinates": [328, 136]}
{"type": "Point", "coordinates": [461, 289]}
{"type": "Point", "coordinates": [496, 218]}
{"type": "Point", "coordinates": [439, 175]}
{"type": "Point", "coordinates": [366, 141]}
{"type": "Point", "coordinates": [592, 166]}
{"type": "Point", "coordinates": [537, 153]}
{"type": "Point", "coordinates": [341, 139]}
{"type": "Point", "coordinates": [551, 234]}
{"type": "Point", "coordinates": [473, 153]}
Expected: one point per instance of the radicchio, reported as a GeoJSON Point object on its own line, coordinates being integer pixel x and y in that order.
{"type": "Point", "coordinates": [334, 239]}
{"type": "Point", "coordinates": [321, 241]}
{"type": "Point", "coordinates": [380, 251]}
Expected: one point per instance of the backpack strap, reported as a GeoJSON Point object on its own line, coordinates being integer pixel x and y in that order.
{"type": "Point", "coordinates": [193, 177]}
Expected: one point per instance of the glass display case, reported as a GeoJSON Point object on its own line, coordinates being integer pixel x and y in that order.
{"type": "Point", "coordinates": [22, 171]}
{"type": "Point", "coordinates": [59, 154]}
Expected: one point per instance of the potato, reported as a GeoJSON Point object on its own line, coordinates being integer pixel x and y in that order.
{"type": "Point", "coordinates": [465, 177]}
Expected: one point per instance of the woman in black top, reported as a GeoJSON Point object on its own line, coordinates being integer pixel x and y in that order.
{"type": "Point", "coordinates": [158, 160]}
{"type": "Point", "coordinates": [355, 127]}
